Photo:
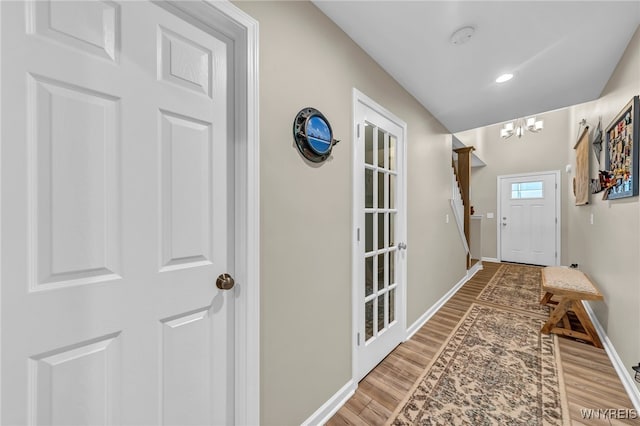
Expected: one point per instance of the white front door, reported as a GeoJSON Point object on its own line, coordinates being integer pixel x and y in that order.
{"type": "Point", "coordinates": [115, 217]}
{"type": "Point", "coordinates": [379, 246]}
{"type": "Point", "coordinates": [529, 219]}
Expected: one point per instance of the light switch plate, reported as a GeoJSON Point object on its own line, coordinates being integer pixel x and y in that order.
{"type": "Point", "coordinates": [490, 215]}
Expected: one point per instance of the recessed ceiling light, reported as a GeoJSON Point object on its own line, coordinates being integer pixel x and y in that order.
{"type": "Point", "coordinates": [504, 77]}
{"type": "Point", "coordinates": [462, 35]}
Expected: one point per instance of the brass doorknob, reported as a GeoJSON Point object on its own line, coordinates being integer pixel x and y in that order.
{"type": "Point", "coordinates": [225, 282]}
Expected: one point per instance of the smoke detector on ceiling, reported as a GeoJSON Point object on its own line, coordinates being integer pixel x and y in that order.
{"type": "Point", "coordinates": [462, 35]}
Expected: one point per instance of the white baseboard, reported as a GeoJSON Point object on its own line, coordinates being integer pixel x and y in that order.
{"type": "Point", "coordinates": [475, 268]}
{"type": "Point", "coordinates": [433, 309]}
{"type": "Point", "coordinates": [490, 259]}
{"type": "Point", "coordinates": [625, 377]}
{"type": "Point", "coordinates": [329, 408]}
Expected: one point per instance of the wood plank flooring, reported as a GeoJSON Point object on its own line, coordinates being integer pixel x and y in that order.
{"type": "Point", "coordinates": [590, 379]}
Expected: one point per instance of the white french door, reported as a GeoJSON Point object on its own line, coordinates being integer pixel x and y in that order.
{"type": "Point", "coordinates": [116, 208]}
{"type": "Point", "coordinates": [529, 217]}
{"type": "Point", "coordinates": [379, 246]}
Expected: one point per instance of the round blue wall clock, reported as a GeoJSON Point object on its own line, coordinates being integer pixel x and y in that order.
{"type": "Point", "coordinates": [313, 135]}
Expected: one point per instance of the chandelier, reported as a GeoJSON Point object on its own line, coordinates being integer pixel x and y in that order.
{"type": "Point", "coordinates": [519, 126]}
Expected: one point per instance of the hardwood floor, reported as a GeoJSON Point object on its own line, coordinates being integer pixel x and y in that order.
{"type": "Point", "coordinates": [590, 380]}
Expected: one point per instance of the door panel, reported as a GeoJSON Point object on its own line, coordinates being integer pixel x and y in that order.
{"type": "Point", "coordinates": [187, 166]}
{"type": "Point", "coordinates": [518, 242]}
{"type": "Point", "coordinates": [115, 208]}
{"type": "Point", "coordinates": [186, 369]}
{"type": "Point", "coordinates": [538, 228]}
{"type": "Point", "coordinates": [73, 183]}
{"type": "Point", "coordinates": [185, 63]}
{"type": "Point", "coordinates": [77, 384]}
{"type": "Point", "coordinates": [528, 219]}
{"type": "Point", "coordinates": [90, 26]}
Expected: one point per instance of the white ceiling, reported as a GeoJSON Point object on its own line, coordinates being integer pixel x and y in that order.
{"type": "Point", "coordinates": [561, 52]}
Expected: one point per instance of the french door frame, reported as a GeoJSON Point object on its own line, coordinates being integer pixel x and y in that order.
{"type": "Point", "coordinates": [401, 236]}
{"type": "Point", "coordinates": [224, 17]}
{"type": "Point", "coordinates": [558, 200]}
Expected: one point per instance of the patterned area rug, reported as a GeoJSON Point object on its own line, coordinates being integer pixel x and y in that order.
{"type": "Point", "coordinates": [516, 286]}
{"type": "Point", "coordinates": [495, 369]}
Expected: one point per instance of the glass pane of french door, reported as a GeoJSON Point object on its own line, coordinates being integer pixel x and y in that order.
{"type": "Point", "coordinates": [380, 212]}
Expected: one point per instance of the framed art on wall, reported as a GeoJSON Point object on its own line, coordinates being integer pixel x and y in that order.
{"type": "Point", "coordinates": [622, 151]}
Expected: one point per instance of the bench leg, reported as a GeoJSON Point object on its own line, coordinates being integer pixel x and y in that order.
{"type": "Point", "coordinates": [546, 298]}
{"type": "Point", "coordinates": [578, 309]}
{"type": "Point", "coordinates": [557, 314]}
{"type": "Point", "coordinates": [565, 322]}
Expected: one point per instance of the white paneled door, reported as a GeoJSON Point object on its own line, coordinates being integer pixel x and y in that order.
{"type": "Point", "coordinates": [380, 244]}
{"type": "Point", "coordinates": [115, 217]}
{"type": "Point", "coordinates": [529, 218]}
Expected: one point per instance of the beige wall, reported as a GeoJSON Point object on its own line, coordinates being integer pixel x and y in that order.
{"type": "Point", "coordinates": [534, 152]}
{"type": "Point", "coordinates": [305, 60]}
{"type": "Point", "coordinates": [609, 250]}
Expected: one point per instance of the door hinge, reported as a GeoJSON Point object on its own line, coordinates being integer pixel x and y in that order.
{"type": "Point", "coordinates": [556, 220]}
{"type": "Point", "coordinates": [556, 254]}
{"type": "Point", "coordinates": [358, 234]}
{"type": "Point", "coordinates": [358, 130]}
{"type": "Point", "coordinates": [358, 339]}
{"type": "Point", "coordinates": [556, 186]}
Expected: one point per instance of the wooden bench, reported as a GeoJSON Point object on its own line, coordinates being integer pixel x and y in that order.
{"type": "Point", "coordinates": [571, 287]}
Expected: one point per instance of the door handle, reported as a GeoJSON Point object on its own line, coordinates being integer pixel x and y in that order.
{"type": "Point", "coordinates": [225, 282]}
{"type": "Point", "coordinates": [402, 246]}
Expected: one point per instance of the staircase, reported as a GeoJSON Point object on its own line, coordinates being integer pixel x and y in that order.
{"type": "Point", "coordinates": [460, 197]}
{"type": "Point", "coordinates": [457, 205]}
